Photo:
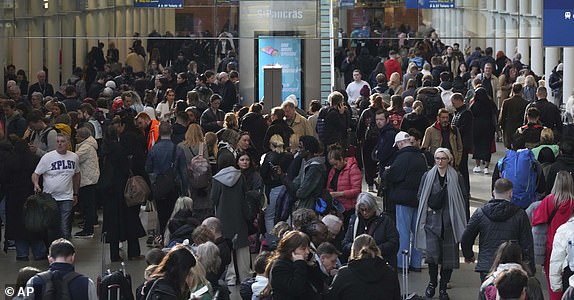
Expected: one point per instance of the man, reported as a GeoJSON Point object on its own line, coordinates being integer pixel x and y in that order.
{"type": "Point", "coordinates": [278, 126]}
{"type": "Point", "coordinates": [385, 151]}
{"type": "Point", "coordinates": [564, 161]}
{"type": "Point", "coordinates": [556, 82]}
{"type": "Point", "coordinates": [549, 113]}
{"type": "Point", "coordinates": [488, 59]}
{"type": "Point", "coordinates": [456, 51]}
{"type": "Point", "coordinates": [348, 66]}
{"type": "Point", "coordinates": [443, 134]}
{"type": "Point", "coordinates": [392, 65]}
{"type": "Point", "coordinates": [71, 101]}
{"type": "Point", "coordinates": [462, 119]}
{"type": "Point", "coordinates": [529, 134]}
{"type": "Point", "coordinates": [183, 86]}
{"type": "Point", "coordinates": [135, 60]}
{"type": "Point", "coordinates": [354, 88]}
{"type": "Point", "coordinates": [228, 91]}
{"type": "Point", "coordinates": [490, 82]}
{"type": "Point", "coordinates": [334, 225]}
{"type": "Point", "coordinates": [86, 149]}
{"type": "Point", "coordinates": [160, 162]}
{"type": "Point", "coordinates": [327, 256]}
{"type": "Point", "coordinates": [180, 64]}
{"type": "Point", "coordinates": [43, 138]}
{"type": "Point", "coordinates": [331, 125]}
{"type": "Point", "coordinates": [512, 114]}
{"type": "Point", "coordinates": [451, 61]}
{"type": "Point", "coordinates": [296, 121]}
{"type": "Point", "coordinates": [497, 221]}
{"type": "Point", "coordinates": [62, 256]}
{"type": "Point", "coordinates": [224, 245]}
{"type": "Point", "coordinates": [179, 127]}
{"type": "Point", "coordinates": [60, 171]}
{"type": "Point", "coordinates": [13, 122]}
{"type": "Point", "coordinates": [97, 86]}
{"type": "Point", "coordinates": [212, 118]}
{"type": "Point", "coordinates": [86, 114]}
{"type": "Point", "coordinates": [149, 127]}
{"type": "Point", "coordinates": [403, 177]}
{"type": "Point", "coordinates": [42, 86]}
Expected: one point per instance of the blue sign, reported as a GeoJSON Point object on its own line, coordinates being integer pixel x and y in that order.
{"type": "Point", "coordinates": [433, 4]}
{"type": "Point", "coordinates": [159, 3]}
{"type": "Point", "coordinates": [558, 23]}
{"type": "Point", "coordinates": [286, 52]}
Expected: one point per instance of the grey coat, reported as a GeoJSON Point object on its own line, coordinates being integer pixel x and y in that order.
{"type": "Point", "coordinates": [228, 193]}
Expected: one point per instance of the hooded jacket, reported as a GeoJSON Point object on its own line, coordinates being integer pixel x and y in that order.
{"type": "Point", "coordinates": [309, 184]}
{"type": "Point", "coordinates": [563, 162]}
{"type": "Point", "coordinates": [348, 182]}
{"type": "Point", "coordinates": [88, 159]}
{"type": "Point", "coordinates": [15, 124]}
{"type": "Point", "coordinates": [228, 194]}
{"type": "Point", "coordinates": [433, 140]}
{"type": "Point", "coordinates": [404, 176]}
{"type": "Point", "coordinates": [368, 278]}
{"type": "Point", "coordinates": [497, 221]}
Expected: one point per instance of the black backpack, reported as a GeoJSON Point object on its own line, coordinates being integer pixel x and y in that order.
{"type": "Point", "coordinates": [432, 103]}
{"type": "Point", "coordinates": [320, 126]}
{"type": "Point", "coordinates": [41, 213]}
{"type": "Point", "coordinates": [57, 287]}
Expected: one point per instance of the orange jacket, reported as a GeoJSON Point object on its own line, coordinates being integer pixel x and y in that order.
{"type": "Point", "coordinates": [153, 134]}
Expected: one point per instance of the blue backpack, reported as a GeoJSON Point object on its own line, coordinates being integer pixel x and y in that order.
{"type": "Point", "coordinates": [520, 168]}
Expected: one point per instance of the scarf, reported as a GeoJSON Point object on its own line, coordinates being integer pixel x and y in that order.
{"type": "Point", "coordinates": [455, 203]}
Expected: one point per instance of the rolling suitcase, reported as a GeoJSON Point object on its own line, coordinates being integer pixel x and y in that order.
{"type": "Point", "coordinates": [113, 285]}
{"type": "Point", "coordinates": [406, 295]}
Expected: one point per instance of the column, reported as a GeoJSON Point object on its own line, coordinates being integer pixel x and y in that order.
{"type": "Point", "coordinates": [121, 30]}
{"type": "Point", "coordinates": [537, 57]}
{"type": "Point", "coordinates": [536, 8]}
{"type": "Point", "coordinates": [568, 73]}
{"type": "Point", "coordinates": [500, 6]}
{"type": "Point", "coordinates": [500, 34]}
{"type": "Point", "coordinates": [81, 43]}
{"type": "Point", "coordinates": [129, 30]}
{"type": "Point", "coordinates": [524, 42]}
{"type": "Point", "coordinates": [91, 25]}
{"type": "Point", "coordinates": [20, 44]}
{"type": "Point", "coordinates": [511, 33]}
{"type": "Point", "coordinates": [552, 58]}
{"type": "Point", "coordinates": [67, 46]}
{"type": "Point", "coordinates": [470, 17]}
{"type": "Point", "coordinates": [137, 23]}
{"type": "Point", "coordinates": [511, 7]}
{"type": "Point", "coordinates": [53, 50]}
{"type": "Point", "coordinates": [490, 31]}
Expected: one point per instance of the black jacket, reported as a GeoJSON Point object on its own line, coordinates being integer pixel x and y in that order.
{"type": "Point", "coordinates": [279, 127]}
{"type": "Point", "coordinates": [563, 162]}
{"type": "Point", "coordinates": [293, 281]}
{"type": "Point", "coordinates": [549, 114]}
{"type": "Point", "coordinates": [254, 123]}
{"type": "Point", "coordinates": [335, 125]}
{"type": "Point", "coordinates": [273, 158]}
{"type": "Point", "coordinates": [385, 148]}
{"type": "Point", "coordinates": [416, 121]}
{"type": "Point", "coordinates": [178, 133]}
{"type": "Point", "coordinates": [208, 120]}
{"type": "Point", "coordinates": [497, 221]}
{"type": "Point", "coordinates": [382, 229]}
{"type": "Point", "coordinates": [369, 278]}
{"type": "Point", "coordinates": [404, 176]}
{"type": "Point", "coordinates": [160, 289]}
{"type": "Point", "coordinates": [462, 119]}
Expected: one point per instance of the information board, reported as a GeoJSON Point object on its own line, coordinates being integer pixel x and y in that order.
{"type": "Point", "coordinates": [432, 4]}
{"type": "Point", "coordinates": [286, 52]}
{"type": "Point", "coordinates": [558, 23]}
{"type": "Point", "coordinates": [159, 3]}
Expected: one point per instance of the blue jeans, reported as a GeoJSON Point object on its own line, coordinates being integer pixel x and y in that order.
{"type": "Point", "coordinates": [270, 210]}
{"type": "Point", "coordinates": [38, 249]}
{"type": "Point", "coordinates": [66, 207]}
{"type": "Point", "coordinates": [406, 226]}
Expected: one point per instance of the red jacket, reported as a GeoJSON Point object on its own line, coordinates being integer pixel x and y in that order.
{"type": "Point", "coordinates": [350, 183]}
{"type": "Point", "coordinates": [542, 214]}
{"type": "Point", "coordinates": [391, 66]}
{"type": "Point", "coordinates": [152, 134]}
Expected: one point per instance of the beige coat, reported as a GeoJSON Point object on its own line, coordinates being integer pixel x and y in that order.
{"type": "Point", "coordinates": [88, 159]}
{"type": "Point", "coordinates": [433, 139]}
{"type": "Point", "coordinates": [495, 89]}
{"type": "Point", "coordinates": [301, 126]}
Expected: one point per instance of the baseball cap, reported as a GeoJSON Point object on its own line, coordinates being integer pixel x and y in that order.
{"type": "Point", "coordinates": [401, 136]}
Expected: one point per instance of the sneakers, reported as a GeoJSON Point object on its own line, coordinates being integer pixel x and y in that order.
{"type": "Point", "coordinates": [476, 169]}
{"type": "Point", "coordinates": [486, 171]}
{"type": "Point", "coordinates": [83, 235]}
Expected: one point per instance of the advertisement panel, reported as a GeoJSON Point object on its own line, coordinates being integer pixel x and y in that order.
{"type": "Point", "coordinates": [285, 52]}
{"type": "Point", "coordinates": [558, 20]}
{"type": "Point", "coordinates": [432, 4]}
{"type": "Point", "coordinates": [159, 3]}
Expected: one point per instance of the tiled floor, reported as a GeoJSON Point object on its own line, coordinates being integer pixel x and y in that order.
{"type": "Point", "coordinates": [89, 254]}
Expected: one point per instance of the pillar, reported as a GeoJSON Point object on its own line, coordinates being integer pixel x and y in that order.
{"type": "Point", "coordinates": [53, 46]}
{"type": "Point", "coordinates": [81, 43]}
{"type": "Point", "coordinates": [20, 44]}
{"type": "Point", "coordinates": [121, 42]}
{"type": "Point", "coordinates": [67, 47]}
{"type": "Point", "coordinates": [568, 85]}
{"type": "Point", "coordinates": [511, 34]}
{"type": "Point", "coordinates": [536, 8]}
{"type": "Point", "coordinates": [500, 34]}
{"type": "Point", "coordinates": [500, 6]}
{"type": "Point", "coordinates": [524, 41]}
{"type": "Point", "coordinates": [490, 31]}
{"type": "Point", "coordinates": [552, 58]}
{"type": "Point", "coordinates": [536, 57]}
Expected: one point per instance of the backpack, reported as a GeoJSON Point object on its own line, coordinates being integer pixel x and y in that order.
{"type": "Point", "coordinates": [57, 287]}
{"type": "Point", "coordinates": [245, 288]}
{"type": "Point", "coordinates": [445, 96]}
{"type": "Point", "coordinates": [283, 205]}
{"type": "Point", "coordinates": [320, 126]}
{"type": "Point", "coordinates": [136, 191]}
{"type": "Point", "coordinates": [41, 213]}
{"type": "Point", "coordinates": [432, 104]}
{"type": "Point", "coordinates": [396, 119]}
{"type": "Point", "coordinates": [520, 168]}
{"type": "Point", "coordinates": [199, 170]}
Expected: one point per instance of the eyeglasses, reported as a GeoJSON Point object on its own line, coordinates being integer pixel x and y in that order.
{"type": "Point", "coordinates": [441, 158]}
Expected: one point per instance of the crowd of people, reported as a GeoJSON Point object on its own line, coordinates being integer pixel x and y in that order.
{"type": "Point", "coordinates": [228, 182]}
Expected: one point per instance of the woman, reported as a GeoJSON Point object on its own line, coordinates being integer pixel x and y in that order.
{"type": "Point", "coordinates": [191, 147]}
{"type": "Point", "coordinates": [460, 81]}
{"type": "Point", "coordinates": [121, 222]}
{"type": "Point", "coordinates": [416, 119]}
{"type": "Point", "coordinates": [165, 109]}
{"type": "Point", "coordinates": [368, 220]}
{"type": "Point", "coordinates": [227, 194]}
{"type": "Point", "coordinates": [193, 100]}
{"type": "Point", "coordinates": [411, 89]}
{"type": "Point", "coordinates": [344, 180]}
{"type": "Point", "coordinates": [22, 81]}
{"type": "Point", "coordinates": [18, 164]}
{"type": "Point", "coordinates": [277, 156]}
{"type": "Point", "coordinates": [505, 82]}
{"type": "Point", "coordinates": [483, 127]}
{"type": "Point", "coordinates": [367, 276]}
{"type": "Point", "coordinates": [208, 257]}
{"type": "Point", "coordinates": [244, 144]}
{"type": "Point", "coordinates": [212, 118]}
{"type": "Point", "coordinates": [561, 257]}
{"type": "Point", "coordinates": [555, 210]}
{"type": "Point", "coordinates": [290, 270]}
{"type": "Point", "coordinates": [379, 69]}
{"type": "Point", "coordinates": [529, 90]}
{"type": "Point", "coordinates": [181, 204]}
{"type": "Point", "coordinates": [501, 61]}
{"type": "Point", "coordinates": [230, 123]}
{"type": "Point", "coordinates": [508, 256]}
{"type": "Point", "coordinates": [368, 136]}
{"type": "Point", "coordinates": [196, 280]}
{"type": "Point", "coordinates": [412, 73]}
{"type": "Point", "coordinates": [254, 123]}
{"type": "Point", "coordinates": [395, 86]}
{"type": "Point", "coordinates": [248, 166]}
{"type": "Point", "coordinates": [546, 141]}
{"type": "Point", "coordinates": [396, 111]}
{"type": "Point", "coordinates": [169, 280]}
{"type": "Point", "coordinates": [441, 220]}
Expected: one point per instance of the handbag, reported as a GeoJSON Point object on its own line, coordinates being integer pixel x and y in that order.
{"type": "Point", "coordinates": [165, 183]}
{"type": "Point", "coordinates": [540, 231]}
{"type": "Point", "coordinates": [436, 200]}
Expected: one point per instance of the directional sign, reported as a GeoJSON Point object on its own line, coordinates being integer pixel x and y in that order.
{"type": "Point", "coordinates": [558, 23]}
{"type": "Point", "coordinates": [159, 3]}
{"type": "Point", "coordinates": [432, 4]}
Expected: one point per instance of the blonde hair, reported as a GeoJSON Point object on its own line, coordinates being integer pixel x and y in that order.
{"type": "Point", "coordinates": [447, 152]}
{"type": "Point", "coordinates": [182, 203]}
{"type": "Point", "coordinates": [197, 276]}
{"type": "Point", "coordinates": [230, 121]}
{"type": "Point", "coordinates": [530, 81]}
{"type": "Point", "coordinates": [395, 78]}
{"type": "Point", "coordinates": [276, 143]}
{"type": "Point", "coordinates": [563, 188]}
{"type": "Point", "coordinates": [546, 136]}
{"type": "Point", "coordinates": [211, 142]}
{"type": "Point", "coordinates": [418, 107]}
{"type": "Point", "coordinates": [364, 246]}
{"type": "Point", "coordinates": [293, 141]}
{"type": "Point", "coordinates": [208, 256]}
{"type": "Point", "coordinates": [193, 135]}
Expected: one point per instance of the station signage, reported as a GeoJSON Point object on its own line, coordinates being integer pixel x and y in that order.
{"type": "Point", "coordinates": [558, 23]}
{"type": "Point", "coordinates": [159, 3]}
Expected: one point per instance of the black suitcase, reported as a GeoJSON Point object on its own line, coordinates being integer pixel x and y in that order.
{"type": "Point", "coordinates": [113, 285]}
{"type": "Point", "coordinates": [406, 295]}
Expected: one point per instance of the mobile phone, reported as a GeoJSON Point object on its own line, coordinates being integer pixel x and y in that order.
{"type": "Point", "coordinates": [309, 256]}
{"type": "Point", "coordinates": [199, 292]}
